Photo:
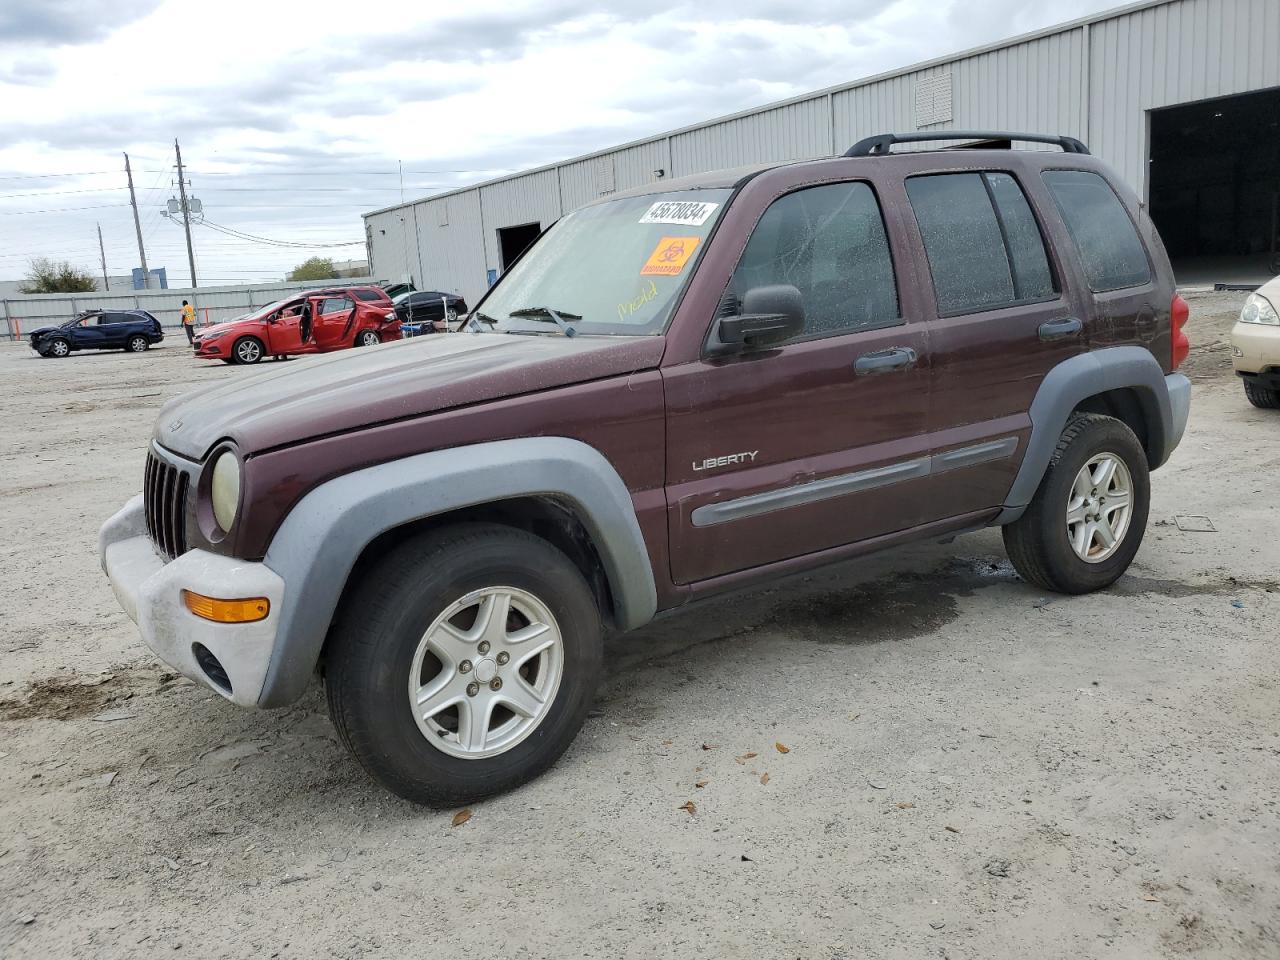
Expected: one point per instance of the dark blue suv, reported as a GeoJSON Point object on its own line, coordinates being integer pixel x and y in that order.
{"type": "Point", "coordinates": [132, 330]}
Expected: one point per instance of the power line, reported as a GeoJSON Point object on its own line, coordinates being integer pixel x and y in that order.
{"type": "Point", "coordinates": [101, 206]}
{"type": "Point", "coordinates": [58, 193]}
{"type": "Point", "coordinates": [232, 232]}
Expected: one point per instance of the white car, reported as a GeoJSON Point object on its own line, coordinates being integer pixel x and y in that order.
{"type": "Point", "coordinates": [1255, 346]}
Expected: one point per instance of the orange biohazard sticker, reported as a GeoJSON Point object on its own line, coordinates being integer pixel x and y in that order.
{"type": "Point", "coordinates": [669, 256]}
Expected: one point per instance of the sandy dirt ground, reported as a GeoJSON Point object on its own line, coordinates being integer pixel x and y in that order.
{"type": "Point", "coordinates": [912, 756]}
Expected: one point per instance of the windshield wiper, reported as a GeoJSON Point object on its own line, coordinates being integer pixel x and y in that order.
{"type": "Point", "coordinates": [476, 319]}
{"type": "Point", "coordinates": [558, 317]}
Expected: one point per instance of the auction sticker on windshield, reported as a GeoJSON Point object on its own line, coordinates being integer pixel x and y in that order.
{"type": "Point", "coordinates": [688, 213]}
{"type": "Point", "coordinates": [669, 256]}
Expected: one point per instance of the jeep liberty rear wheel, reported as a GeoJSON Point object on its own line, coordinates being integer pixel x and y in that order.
{"type": "Point", "coordinates": [1085, 523]}
{"type": "Point", "coordinates": [1262, 397]}
{"type": "Point", "coordinates": [463, 663]}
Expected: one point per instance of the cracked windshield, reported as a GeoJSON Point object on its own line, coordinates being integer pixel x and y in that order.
{"type": "Point", "coordinates": [612, 268]}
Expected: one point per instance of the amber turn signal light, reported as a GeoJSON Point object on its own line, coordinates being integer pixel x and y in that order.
{"type": "Point", "coordinates": [227, 611]}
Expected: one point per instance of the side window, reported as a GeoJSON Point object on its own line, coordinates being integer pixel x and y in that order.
{"type": "Point", "coordinates": [983, 243]}
{"type": "Point", "coordinates": [1110, 252]}
{"type": "Point", "coordinates": [828, 242]}
{"type": "Point", "coordinates": [335, 305]}
{"type": "Point", "coordinates": [368, 295]}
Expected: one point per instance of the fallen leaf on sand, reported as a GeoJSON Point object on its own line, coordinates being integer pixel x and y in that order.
{"type": "Point", "coordinates": [764, 778]}
{"type": "Point", "coordinates": [745, 757]}
{"type": "Point", "coordinates": [782, 748]}
{"type": "Point", "coordinates": [688, 807]}
{"type": "Point", "coordinates": [1151, 899]}
{"type": "Point", "coordinates": [906, 806]}
{"type": "Point", "coordinates": [701, 783]}
{"type": "Point", "coordinates": [461, 817]}
{"type": "Point", "coordinates": [666, 743]}
{"type": "Point", "coordinates": [953, 829]}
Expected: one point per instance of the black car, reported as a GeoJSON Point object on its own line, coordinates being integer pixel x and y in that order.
{"type": "Point", "coordinates": [132, 330]}
{"type": "Point", "coordinates": [427, 311]}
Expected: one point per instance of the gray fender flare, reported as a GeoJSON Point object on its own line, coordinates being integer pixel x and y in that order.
{"type": "Point", "coordinates": [1164, 400]}
{"type": "Point", "coordinates": [317, 545]}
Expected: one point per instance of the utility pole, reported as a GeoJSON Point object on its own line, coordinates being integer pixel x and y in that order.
{"type": "Point", "coordinates": [137, 225]}
{"type": "Point", "coordinates": [186, 213]}
{"type": "Point", "coordinates": [106, 284]}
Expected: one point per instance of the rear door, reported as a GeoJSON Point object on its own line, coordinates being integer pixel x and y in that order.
{"type": "Point", "coordinates": [333, 326]}
{"type": "Point", "coordinates": [1001, 322]}
{"type": "Point", "coordinates": [819, 442]}
{"type": "Point", "coordinates": [117, 327]}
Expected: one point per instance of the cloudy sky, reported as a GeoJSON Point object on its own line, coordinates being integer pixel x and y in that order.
{"type": "Point", "coordinates": [294, 117]}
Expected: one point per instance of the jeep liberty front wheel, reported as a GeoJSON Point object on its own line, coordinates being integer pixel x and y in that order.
{"type": "Point", "coordinates": [1086, 521]}
{"type": "Point", "coordinates": [463, 663]}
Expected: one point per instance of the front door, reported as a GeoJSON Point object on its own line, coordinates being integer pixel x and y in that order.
{"type": "Point", "coordinates": [284, 330]}
{"type": "Point", "coordinates": [819, 442]}
{"type": "Point", "coordinates": [334, 325]}
{"type": "Point", "coordinates": [89, 334]}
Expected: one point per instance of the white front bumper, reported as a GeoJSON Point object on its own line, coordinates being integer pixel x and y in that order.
{"type": "Point", "coordinates": [150, 591]}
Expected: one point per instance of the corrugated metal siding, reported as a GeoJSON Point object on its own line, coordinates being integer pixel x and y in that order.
{"type": "Point", "coordinates": [797, 131]}
{"type": "Point", "coordinates": [453, 254]}
{"type": "Point", "coordinates": [632, 167]}
{"type": "Point", "coordinates": [532, 198]}
{"type": "Point", "coordinates": [1176, 53]}
{"type": "Point", "coordinates": [392, 251]}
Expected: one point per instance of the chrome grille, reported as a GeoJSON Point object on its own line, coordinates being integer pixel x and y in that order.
{"type": "Point", "coordinates": [164, 489]}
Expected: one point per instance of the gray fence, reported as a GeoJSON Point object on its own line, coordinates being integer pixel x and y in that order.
{"type": "Point", "coordinates": [18, 315]}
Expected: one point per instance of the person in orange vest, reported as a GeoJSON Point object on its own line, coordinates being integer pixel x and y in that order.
{"type": "Point", "coordinates": [189, 321]}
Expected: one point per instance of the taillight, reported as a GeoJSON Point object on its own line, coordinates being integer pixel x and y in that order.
{"type": "Point", "coordinates": [1179, 313]}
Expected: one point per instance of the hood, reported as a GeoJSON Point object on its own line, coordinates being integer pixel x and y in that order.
{"type": "Point", "coordinates": [40, 331]}
{"type": "Point", "coordinates": [219, 327]}
{"type": "Point", "coordinates": [1271, 290]}
{"type": "Point", "coordinates": [291, 402]}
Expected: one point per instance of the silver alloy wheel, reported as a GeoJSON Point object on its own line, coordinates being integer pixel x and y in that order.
{"type": "Point", "coordinates": [1099, 507]}
{"type": "Point", "coordinates": [59, 348]}
{"type": "Point", "coordinates": [486, 672]}
{"type": "Point", "coordinates": [248, 351]}
{"type": "Point", "coordinates": [369, 339]}
{"type": "Point", "coordinates": [138, 344]}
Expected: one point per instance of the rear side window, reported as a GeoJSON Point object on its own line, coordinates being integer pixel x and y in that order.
{"type": "Point", "coordinates": [1111, 254]}
{"type": "Point", "coordinates": [335, 305]}
{"type": "Point", "coordinates": [368, 295]}
{"type": "Point", "coordinates": [828, 242]}
{"type": "Point", "coordinates": [983, 243]}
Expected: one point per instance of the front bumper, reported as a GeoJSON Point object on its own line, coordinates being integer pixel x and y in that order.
{"type": "Point", "coordinates": [1254, 347]}
{"type": "Point", "coordinates": [213, 349]}
{"type": "Point", "coordinates": [150, 591]}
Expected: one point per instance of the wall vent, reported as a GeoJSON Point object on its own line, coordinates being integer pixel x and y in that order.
{"type": "Point", "coordinates": [604, 176]}
{"type": "Point", "coordinates": [933, 100]}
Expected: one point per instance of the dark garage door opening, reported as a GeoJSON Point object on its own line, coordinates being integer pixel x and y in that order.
{"type": "Point", "coordinates": [512, 241]}
{"type": "Point", "coordinates": [1214, 184]}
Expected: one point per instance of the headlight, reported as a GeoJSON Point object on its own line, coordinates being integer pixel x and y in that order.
{"type": "Point", "coordinates": [206, 337]}
{"type": "Point", "coordinates": [224, 489]}
{"type": "Point", "coordinates": [389, 317]}
{"type": "Point", "coordinates": [1257, 309]}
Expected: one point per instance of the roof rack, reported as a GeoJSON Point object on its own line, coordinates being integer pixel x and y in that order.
{"type": "Point", "coordinates": [879, 145]}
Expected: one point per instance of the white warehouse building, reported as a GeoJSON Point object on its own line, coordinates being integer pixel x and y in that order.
{"type": "Point", "coordinates": [1181, 97]}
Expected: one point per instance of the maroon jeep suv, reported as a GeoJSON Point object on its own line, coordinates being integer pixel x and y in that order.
{"type": "Point", "coordinates": [691, 387]}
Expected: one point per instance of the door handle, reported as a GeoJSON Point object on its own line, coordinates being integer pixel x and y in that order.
{"type": "Point", "coordinates": [885, 361]}
{"type": "Point", "coordinates": [1060, 329]}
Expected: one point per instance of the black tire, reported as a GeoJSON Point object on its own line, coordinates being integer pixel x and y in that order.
{"type": "Point", "coordinates": [137, 344]}
{"type": "Point", "coordinates": [1260, 396]}
{"type": "Point", "coordinates": [247, 350]}
{"type": "Point", "coordinates": [370, 654]}
{"type": "Point", "coordinates": [367, 338]}
{"type": "Point", "coordinates": [1037, 542]}
{"type": "Point", "coordinates": [57, 348]}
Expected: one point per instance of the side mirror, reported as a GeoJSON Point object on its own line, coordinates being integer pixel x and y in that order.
{"type": "Point", "coordinates": [770, 315]}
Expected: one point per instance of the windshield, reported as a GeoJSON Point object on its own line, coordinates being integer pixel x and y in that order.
{"type": "Point", "coordinates": [610, 268]}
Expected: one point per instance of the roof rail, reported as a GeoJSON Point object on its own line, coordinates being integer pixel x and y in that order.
{"type": "Point", "coordinates": [879, 145]}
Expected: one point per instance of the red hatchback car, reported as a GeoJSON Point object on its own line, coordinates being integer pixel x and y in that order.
{"type": "Point", "coordinates": [318, 322]}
